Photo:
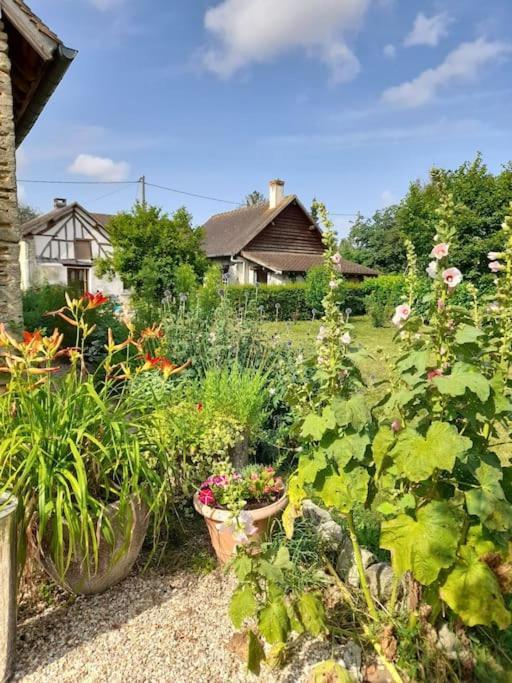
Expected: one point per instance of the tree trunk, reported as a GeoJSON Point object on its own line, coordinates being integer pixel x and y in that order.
{"type": "Point", "coordinates": [10, 279]}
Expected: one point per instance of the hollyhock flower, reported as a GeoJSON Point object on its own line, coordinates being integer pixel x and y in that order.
{"type": "Point", "coordinates": [495, 307]}
{"type": "Point", "coordinates": [337, 261]}
{"type": "Point", "coordinates": [396, 426]}
{"type": "Point", "coordinates": [440, 251]}
{"type": "Point", "coordinates": [346, 338]}
{"type": "Point", "coordinates": [494, 255]}
{"type": "Point", "coordinates": [440, 305]}
{"type": "Point", "coordinates": [333, 284]}
{"type": "Point", "coordinates": [432, 374]}
{"type": "Point", "coordinates": [241, 526]}
{"type": "Point", "coordinates": [322, 333]}
{"type": "Point", "coordinates": [496, 266]}
{"type": "Point", "coordinates": [452, 277]}
{"type": "Point", "coordinates": [402, 312]}
{"type": "Point", "coordinates": [432, 269]}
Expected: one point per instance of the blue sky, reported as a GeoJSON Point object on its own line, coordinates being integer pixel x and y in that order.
{"type": "Point", "coordinates": [346, 100]}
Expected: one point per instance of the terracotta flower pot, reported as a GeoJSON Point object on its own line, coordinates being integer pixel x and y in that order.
{"type": "Point", "coordinates": [223, 541]}
{"type": "Point", "coordinates": [114, 562]}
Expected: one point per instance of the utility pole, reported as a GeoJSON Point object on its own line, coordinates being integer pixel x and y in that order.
{"type": "Point", "coordinates": [142, 181]}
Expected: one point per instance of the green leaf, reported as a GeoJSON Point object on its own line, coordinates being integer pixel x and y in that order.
{"type": "Point", "coordinates": [343, 491]}
{"type": "Point", "coordinates": [382, 442]}
{"type": "Point", "coordinates": [473, 592]}
{"type": "Point", "coordinates": [242, 606]}
{"type": "Point", "coordinates": [355, 412]}
{"type": "Point", "coordinates": [310, 465]}
{"type": "Point", "coordinates": [282, 559]}
{"type": "Point", "coordinates": [488, 503]}
{"type": "Point", "coordinates": [274, 623]}
{"type": "Point", "coordinates": [462, 380]}
{"type": "Point", "coordinates": [242, 566]}
{"type": "Point", "coordinates": [424, 545]}
{"type": "Point", "coordinates": [418, 457]}
{"type": "Point", "coordinates": [270, 571]}
{"type": "Point", "coordinates": [467, 334]}
{"type": "Point", "coordinates": [312, 613]}
{"type": "Point", "coordinates": [415, 359]}
{"type": "Point", "coordinates": [315, 426]}
{"type": "Point", "coordinates": [330, 671]}
{"type": "Point", "coordinates": [347, 447]}
{"type": "Point", "coordinates": [255, 654]}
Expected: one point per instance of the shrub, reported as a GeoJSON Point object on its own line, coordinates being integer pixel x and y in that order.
{"type": "Point", "coordinates": [185, 280]}
{"type": "Point", "coordinates": [209, 293]}
{"type": "Point", "coordinates": [273, 302]}
{"type": "Point", "coordinates": [317, 282]}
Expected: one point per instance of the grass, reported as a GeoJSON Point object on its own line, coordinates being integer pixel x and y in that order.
{"type": "Point", "coordinates": [377, 342]}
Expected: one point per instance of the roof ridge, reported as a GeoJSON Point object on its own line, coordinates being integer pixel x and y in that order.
{"type": "Point", "coordinates": [240, 209]}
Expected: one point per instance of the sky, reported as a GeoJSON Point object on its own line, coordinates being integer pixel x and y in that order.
{"type": "Point", "coordinates": [346, 100]}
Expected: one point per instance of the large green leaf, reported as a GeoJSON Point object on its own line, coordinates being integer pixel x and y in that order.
{"type": "Point", "coordinates": [273, 622]}
{"type": "Point", "coordinates": [243, 606]}
{"type": "Point", "coordinates": [462, 380]}
{"type": "Point", "coordinates": [312, 613]}
{"type": "Point", "coordinates": [473, 592]}
{"type": "Point", "coordinates": [315, 426]}
{"type": "Point", "coordinates": [382, 442]}
{"type": "Point", "coordinates": [310, 465]}
{"type": "Point", "coordinates": [424, 545]}
{"type": "Point", "coordinates": [417, 457]}
{"type": "Point", "coordinates": [347, 447]}
{"type": "Point", "coordinates": [467, 334]}
{"type": "Point", "coordinates": [255, 654]}
{"type": "Point", "coordinates": [343, 491]}
{"type": "Point", "coordinates": [488, 503]}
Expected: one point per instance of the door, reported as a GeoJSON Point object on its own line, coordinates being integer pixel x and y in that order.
{"type": "Point", "coordinates": [79, 278]}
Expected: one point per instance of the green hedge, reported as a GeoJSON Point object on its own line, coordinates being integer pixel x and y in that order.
{"type": "Point", "coordinates": [293, 301]}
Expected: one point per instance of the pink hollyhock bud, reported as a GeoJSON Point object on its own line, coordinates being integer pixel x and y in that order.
{"type": "Point", "coordinates": [440, 305]}
{"type": "Point", "coordinates": [337, 260]}
{"type": "Point", "coordinates": [402, 312]}
{"type": "Point", "coordinates": [496, 266]}
{"type": "Point", "coordinates": [440, 251]}
{"type": "Point", "coordinates": [432, 374]}
{"type": "Point", "coordinates": [396, 426]}
{"type": "Point", "coordinates": [452, 277]}
{"type": "Point", "coordinates": [346, 338]}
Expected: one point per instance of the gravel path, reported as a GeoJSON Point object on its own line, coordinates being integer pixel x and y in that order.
{"type": "Point", "coordinates": [152, 627]}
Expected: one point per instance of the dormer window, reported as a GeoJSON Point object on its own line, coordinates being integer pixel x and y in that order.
{"type": "Point", "coordinates": [83, 250]}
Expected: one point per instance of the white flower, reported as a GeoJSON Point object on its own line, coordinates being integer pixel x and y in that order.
{"type": "Point", "coordinates": [452, 277]}
{"type": "Point", "coordinates": [272, 391]}
{"type": "Point", "coordinates": [496, 266]}
{"type": "Point", "coordinates": [402, 312]}
{"type": "Point", "coordinates": [440, 251]}
{"type": "Point", "coordinates": [333, 284]}
{"type": "Point", "coordinates": [432, 269]}
{"type": "Point", "coordinates": [494, 255]}
{"type": "Point", "coordinates": [241, 526]}
{"type": "Point", "coordinates": [346, 338]}
{"type": "Point", "coordinates": [322, 333]}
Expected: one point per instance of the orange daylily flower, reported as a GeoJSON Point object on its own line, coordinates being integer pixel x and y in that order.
{"type": "Point", "coordinates": [94, 300]}
{"type": "Point", "coordinates": [153, 332]}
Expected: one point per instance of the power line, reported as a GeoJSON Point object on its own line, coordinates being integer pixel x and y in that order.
{"type": "Point", "coordinates": [192, 194]}
{"type": "Point", "coordinates": [81, 182]}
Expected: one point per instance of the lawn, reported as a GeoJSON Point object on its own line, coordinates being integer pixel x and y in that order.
{"type": "Point", "coordinates": [377, 341]}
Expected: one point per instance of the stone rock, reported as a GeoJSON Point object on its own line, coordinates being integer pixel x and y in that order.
{"type": "Point", "coordinates": [310, 653]}
{"type": "Point", "coordinates": [346, 566]}
{"type": "Point", "coordinates": [447, 642]}
{"type": "Point", "coordinates": [377, 673]}
{"type": "Point", "coordinates": [328, 530]}
{"type": "Point", "coordinates": [351, 657]}
{"type": "Point", "coordinates": [380, 581]}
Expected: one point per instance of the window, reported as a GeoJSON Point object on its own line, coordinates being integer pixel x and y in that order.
{"type": "Point", "coordinates": [261, 276]}
{"type": "Point", "coordinates": [79, 278]}
{"type": "Point", "coordinates": [83, 251]}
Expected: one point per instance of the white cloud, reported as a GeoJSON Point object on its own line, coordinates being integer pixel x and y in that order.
{"type": "Point", "coordinates": [389, 51]}
{"type": "Point", "coordinates": [462, 64]}
{"type": "Point", "coordinates": [100, 168]}
{"type": "Point", "coordinates": [428, 31]}
{"type": "Point", "coordinates": [256, 31]}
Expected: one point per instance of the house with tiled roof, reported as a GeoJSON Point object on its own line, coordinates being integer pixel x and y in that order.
{"type": "Point", "coordinates": [60, 247]}
{"type": "Point", "coordinates": [274, 242]}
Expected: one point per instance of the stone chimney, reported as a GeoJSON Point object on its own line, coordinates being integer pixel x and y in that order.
{"type": "Point", "coordinates": [59, 202]}
{"type": "Point", "coordinates": [276, 193]}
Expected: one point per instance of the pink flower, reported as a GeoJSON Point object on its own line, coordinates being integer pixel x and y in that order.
{"type": "Point", "coordinates": [432, 374]}
{"type": "Point", "coordinates": [402, 312]}
{"type": "Point", "coordinates": [396, 426]}
{"type": "Point", "coordinates": [452, 277]}
{"type": "Point", "coordinates": [440, 251]}
{"type": "Point", "coordinates": [494, 255]}
{"type": "Point", "coordinates": [346, 338]}
{"type": "Point", "coordinates": [432, 269]}
{"type": "Point", "coordinates": [440, 305]}
{"type": "Point", "coordinates": [337, 261]}
{"type": "Point", "coordinates": [496, 266]}
{"type": "Point", "coordinates": [206, 497]}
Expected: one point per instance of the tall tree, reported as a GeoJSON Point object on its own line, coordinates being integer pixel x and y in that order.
{"type": "Point", "coordinates": [26, 213]}
{"type": "Point", "coordinates": [10, 278]}
{"type": "Point", "coordinates": [149, 246]}
{"type": "Point", "coordinates": [255, 198]}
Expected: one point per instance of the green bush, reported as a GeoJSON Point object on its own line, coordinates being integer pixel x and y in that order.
{"type": "Point", "coordinates": [317, 282]}
{"type": "Point", "coordinates": [273, 302]}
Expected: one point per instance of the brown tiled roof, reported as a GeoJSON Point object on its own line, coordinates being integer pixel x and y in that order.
{"type": "Point", "coordinates": [290, 262]}
{"type": "Point", "coordinates": [226, 234]}
{"type": "Point", "coordinates": [40, 223]}
{"type": "Point", "coordinates": [36, 21]}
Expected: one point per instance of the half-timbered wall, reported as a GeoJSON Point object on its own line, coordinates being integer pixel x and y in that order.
{"type": "Point", "coordinates": [47, 256]}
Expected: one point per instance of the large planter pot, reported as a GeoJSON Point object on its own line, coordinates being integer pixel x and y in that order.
{"type": "Point", "coordinates": [222, 540]}
{"type": "Point", "coordinates": [115, 561]}
{"type": "Point", "coordinates": [8, 506]}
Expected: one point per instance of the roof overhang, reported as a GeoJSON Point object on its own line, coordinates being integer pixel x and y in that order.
{"type": "Point", "coordinates": [39, 60]}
